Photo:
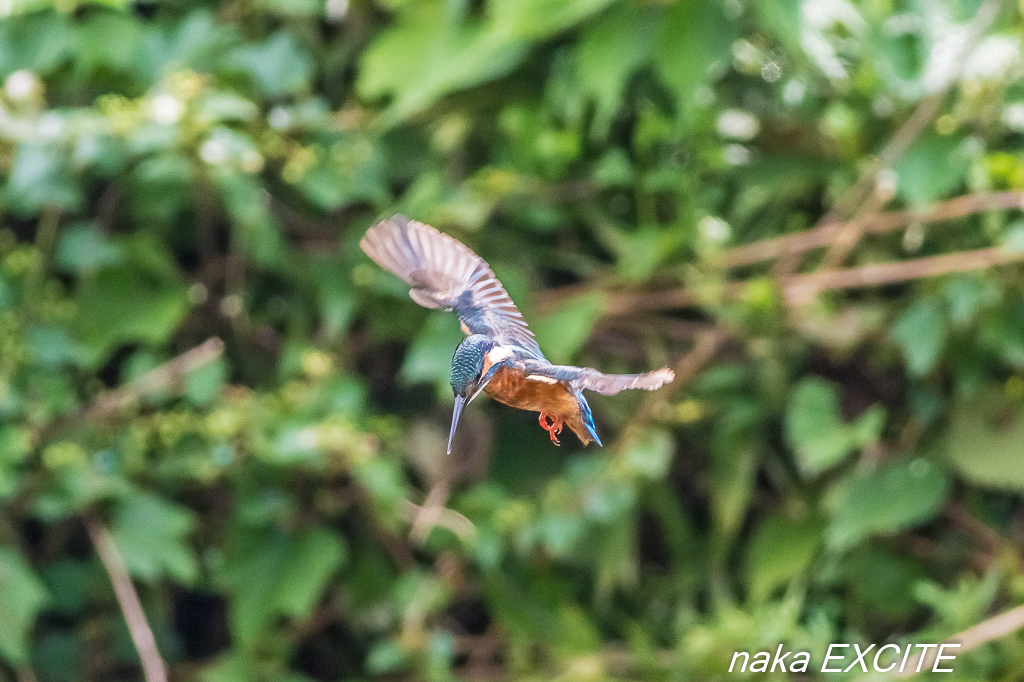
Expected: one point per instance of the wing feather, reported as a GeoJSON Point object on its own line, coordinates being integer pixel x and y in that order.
{"type": "Point", "coordinates": [607, 384]}
{"type": "Point", "coordinates": [445, 273]}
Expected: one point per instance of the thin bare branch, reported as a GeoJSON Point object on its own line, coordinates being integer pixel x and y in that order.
{"type": "Point", "coordinates": [801, 288]}
{"type": "Point", "coordinates": [434, 513]}
{"type": "Point", "coordinates": [704, 350]}
{"type": "Point", "coordinates": [846, 241]}
{"type": "Point", "coordinates": [157, 379]}
{"type": "Point", "coordinates": [901, 141]}
{"type": "Point", "coordinates": [768, 249]}
{"type": "Point", "coordinates": [153, 667]}
{"type": "Point", "coordinates": [707, 346]}
{"type": "Point", "coordinates": [973, 637]}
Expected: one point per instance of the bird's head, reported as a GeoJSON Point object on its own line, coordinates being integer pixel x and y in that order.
{"type": "Point", "coordinates": [467, 374]}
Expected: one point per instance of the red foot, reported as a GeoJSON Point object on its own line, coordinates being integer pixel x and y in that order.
{"type": "Point", "coordinates": [552, 425]}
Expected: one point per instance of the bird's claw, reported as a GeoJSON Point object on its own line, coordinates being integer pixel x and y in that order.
{"type": "Point", "coordinates": [552, 425]}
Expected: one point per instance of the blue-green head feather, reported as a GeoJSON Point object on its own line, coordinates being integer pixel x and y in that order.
{"type": "Point", "coordinates": [466, 375]}
{"type": "Point", "coordinates": [468, 364]}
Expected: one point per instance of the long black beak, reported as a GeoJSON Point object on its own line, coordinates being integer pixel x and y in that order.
{"type": "Point", "coordinates": [460, 402]}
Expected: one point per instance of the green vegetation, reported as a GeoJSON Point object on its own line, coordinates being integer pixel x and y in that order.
{"type": "Point", "coordinates": [811, 209]}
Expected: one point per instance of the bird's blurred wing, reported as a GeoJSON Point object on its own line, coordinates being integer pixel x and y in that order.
{"type": "Point", "coordinates": [587, 378]}
{"type": "Point", "coordinates": [445, 273]}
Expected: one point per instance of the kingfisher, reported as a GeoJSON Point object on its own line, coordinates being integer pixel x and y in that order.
{"type": "Point", "coordinates": [499, 355]}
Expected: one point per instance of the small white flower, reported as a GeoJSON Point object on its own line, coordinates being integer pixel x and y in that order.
{"type": "Point", "coordinates": [51, 125]}
{"type": "Point", "coordinates": [747, 56]}
{"type": "Point", "coordinates": [252, 161]}
{"type": "Point", "coordinates": [337, 9]}
{"type": "Point", "coordinates": [213, 152]}
{"type": "Point", "coordinates": [714, 229]}
{"type": "Point", "coordinates": [771, 72]}
{"type": "Point", "coordinates": [885, 183]}
{"type": "Point", "coordinates": [993, 59]}
{"type": "Point", "coordinates": [1013, 117]}
{"type": "Point", "coordinates": [902, 24]}
{"type": "Point", "coordinates": [883, 106]}
{"type": "Point", "coordinates": [231, 305]}
{"type": "Point", "coordinates": [21, 85]}
{"type": "Point", "coordinates": [307, 439]}
{"type": "Point", "coordinates": [794, 92]}
{"type": "Point", "coordinates": [944, 59]}
{"type": "Point", "coordinates": [198, 293]}
{"type": "Point", "coordinates": [279, 118]}
{"type": "Point", "coordinates": [166, 109]}
{"type": "Point", "coordinates": [736, 155]}
{"type": "Point", "coordinates": [738, 125]}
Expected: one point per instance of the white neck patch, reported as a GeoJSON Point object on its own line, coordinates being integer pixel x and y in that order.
{"type": "Point", "coordinates": [497, 354]}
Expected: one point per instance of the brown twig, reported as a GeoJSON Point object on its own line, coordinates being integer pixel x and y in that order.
{"type": "Point", "coordinates": [704, 350]}
{"type": "Point", "coordinates": [155, 380]}
{"type": "Point", "coordinates": [802, 288]}
{"type": "Point", "coordinates": [768, 249]}
{"type": "Point", "coordinates": [434, 513]}
{"type": "Point", "coordinates": [846, 240]}
{"type": "Point", "coordinates": [911, 129]}
{"type": "Point", "coordinates": [153, 667]}
{"type": "Point", "coordinates": [623, 302]}
{"type": "Point", "coordinates": [971, 638]}
{"type": "Point", "coordinates": [708, 344]}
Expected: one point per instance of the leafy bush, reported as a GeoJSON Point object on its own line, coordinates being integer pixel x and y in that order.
{"type": "Point", "coordinates": [810, 209]}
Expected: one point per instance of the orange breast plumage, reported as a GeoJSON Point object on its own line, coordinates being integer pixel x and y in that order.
{"type": "Point", "coordinates": [537, 393]}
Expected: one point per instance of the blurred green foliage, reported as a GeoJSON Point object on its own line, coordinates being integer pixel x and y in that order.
{"type": "Point", "coordinates": [847, 470]}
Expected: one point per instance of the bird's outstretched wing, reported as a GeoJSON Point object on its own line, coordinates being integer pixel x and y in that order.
{"type": "Point", "coordinates": [445, 273]}
{"type": "Point", "coordinates": [586, 378]}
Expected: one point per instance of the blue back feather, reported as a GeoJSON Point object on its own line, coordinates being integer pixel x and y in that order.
{"type": "Point", "coordinates": [588, 418]}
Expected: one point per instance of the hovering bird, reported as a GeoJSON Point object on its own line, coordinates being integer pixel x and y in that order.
{"type": "Point", "coordinates": [499, 354]}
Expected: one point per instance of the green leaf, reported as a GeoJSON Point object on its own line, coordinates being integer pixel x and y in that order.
{"type": "Point", "coordinates": [278, 66]}
{"type": "Point", "coordinates": [429, 52]}
{"type": "Point", "coordinates": [125, 305]}
{"type": "Point", "coordinates": [984, 445]}
{"type": "Point", "coordinates": [732, 476]}
{"type": "Point", "coordinates": [434, 49]}
{"type": "Point", "coordinates": [385, 657]}
{"type": "Point", "coordinates": [920, 333]}
{"type": "Point", "coordinates": [883, 580]}
{"type": "Point", "coordinates": [537, 19]}
{"type": "Point", "coordinates": [204, 384]}
{"type": "Point", "coordinates": [15, 445]}
{"type": "Point", "coordinates": [152, 535]}
{"type": "Point", "coordinates": [40, 177]}
{"type": "Point", "coordinates": [110, 42]}
{"type": "Point", "coordinates": [38, 41]}
{"type": "Point", "coordinates": [279, 575]}
{"type": "Point", "coordinates": [610, 51]}
{"type": "Point", "coordinates": [895, 496]}
{"type": "Point", "coordinates": [256, 232]}
{"type": "Point", "coordinates": [22, 595]}
{"type": "Point", "coordinates": [333, 285]}
{"type": "Point", "coordinates": [780, 550]}
{"type": "Point", "coordinates": [815, 430]}
{"type": "Point", "coordinates": [352, 170]}
{"type": "Point", "coordinates": [693, 48]}
{"type": "Point", "coordinates": [313, 558]}
{"type": "Point", "coordinates": [83, 249]}
{"type": "Point", "coordinates": [430, 356]}
{"type": "Point", "coordinates": [931, 168]}
{"type": "Point", "coordinates": [651, 455]}
{"type": "Point", "coordinates": [562, 332]}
